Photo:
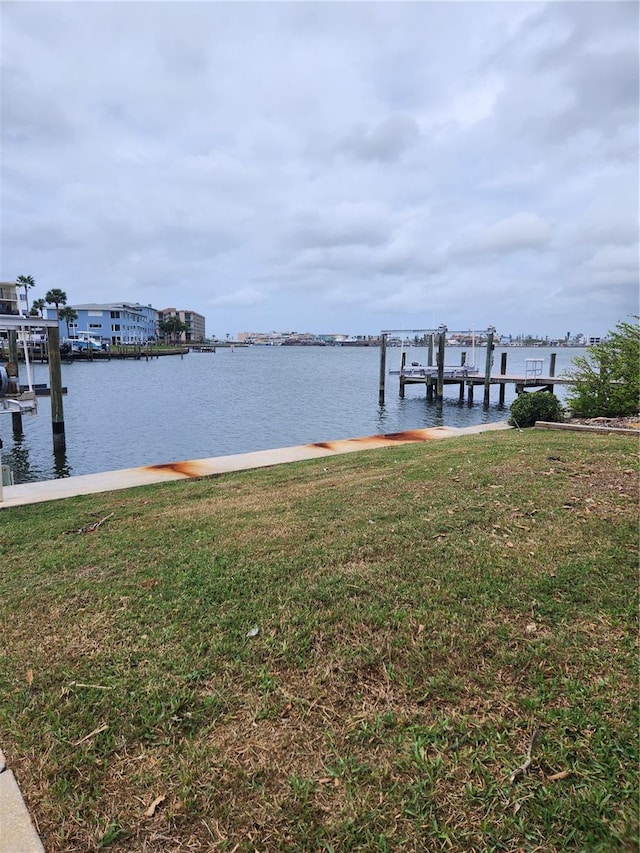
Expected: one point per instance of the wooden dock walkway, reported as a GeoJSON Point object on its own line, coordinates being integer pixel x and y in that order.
{"type": "Point", "coordinates": [472, 381]}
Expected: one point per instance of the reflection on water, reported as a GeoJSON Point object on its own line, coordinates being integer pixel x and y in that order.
{"type": "Point", "coordinates": [19, 458]}
{"type": "Point", "coordinates": [61, 465]}
{"type": "Point", "coordinates": [123, 414]}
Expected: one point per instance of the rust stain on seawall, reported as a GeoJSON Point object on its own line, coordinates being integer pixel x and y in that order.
{"type": "Point", "coordinates": [407, 437]}
{"type": "Point", "coordinates": [185, 469]}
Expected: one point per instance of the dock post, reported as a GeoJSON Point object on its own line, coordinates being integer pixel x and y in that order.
{"type": "Point", "coordinates": [442, 333]}
{"type": "Point", "coordinates": [430, 351]}
{"type": "Point", "coordinates": [402, 365]}
{"type": "Point", "coordinates": [14, 380]}
{"type": "Point", "coordinates": [487, 366]}
{"type": "Point", "coordinates": [55, 382]}
{"type": "Point", "coordinates": [463, 361]}
{"type": "Point", "coordinates": [552, 369]}
{"type": "Point", "coordinates": [470, 392]}
{"type": "Point", "coordinates": [383, 368]}
{"type": "Point", "coordinates": [503, 372]}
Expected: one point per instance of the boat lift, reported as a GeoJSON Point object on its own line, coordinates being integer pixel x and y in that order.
{"type": "Point", "coordinates": [12, 396]}
{"type": "Point", "coordinates": [438, 374]}
{"type": "Point", "coordinates": [15, 400]}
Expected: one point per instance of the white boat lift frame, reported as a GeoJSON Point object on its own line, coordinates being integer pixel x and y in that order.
{"type": "Point", "coordinates": [18, 402]}
{"type": "Point", "coordinates": [440, 372]}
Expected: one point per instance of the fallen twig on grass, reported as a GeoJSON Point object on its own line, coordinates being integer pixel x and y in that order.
{"type": "Point", "coordinates": [97, 731]}
{"type": "Point", "coordinates": [520, 771]}
{"type": "Point", "coordinates": [89, 528]}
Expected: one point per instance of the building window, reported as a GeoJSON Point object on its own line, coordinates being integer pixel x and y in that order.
{"type": "Point", "coordinates": [115, 327]}
{"type": "Point", "coordinates": [115, 315]}
{"type": "Point", "coordinates": [95, 325]}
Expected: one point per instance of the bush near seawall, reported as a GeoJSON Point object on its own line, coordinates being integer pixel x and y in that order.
{"type": "Point", "coordinates": [534, 406]}
{"type": "Point", "coordinates": [428, 647]}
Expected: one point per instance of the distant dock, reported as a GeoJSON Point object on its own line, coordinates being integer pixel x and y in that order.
{"type": "Point", "coordinates": [39, 353]}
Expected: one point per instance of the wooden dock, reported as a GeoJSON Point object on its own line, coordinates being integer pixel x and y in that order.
{"type": "Point", "coordinates": [436, 374]}
{"type": "Point", "coordinates": [470, 382]}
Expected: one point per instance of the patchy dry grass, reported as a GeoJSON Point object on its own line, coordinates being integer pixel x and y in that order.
{"type": "Point", "coordinates": [422, 611]}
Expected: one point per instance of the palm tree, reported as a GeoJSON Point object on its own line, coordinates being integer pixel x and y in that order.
{"type": "Point", "coordinates": [26, 281]}
{"type": "Point", "coordinates": [37, 307]}
{"type": "Point", "coordinates": [56, 297]}
{"type": "Point", "coordinates": [69, 315]}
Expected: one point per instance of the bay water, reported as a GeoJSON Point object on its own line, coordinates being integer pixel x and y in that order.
{"type": "Point", "coordinates": [124, 414]}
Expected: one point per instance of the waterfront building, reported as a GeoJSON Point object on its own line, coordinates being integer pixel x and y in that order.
{"type": "Point", "coordinates": [195, 323]}
{"type": "Point", "coordinates": [9, 298]}
{"type": "Point", "coordinates": [112, 323]}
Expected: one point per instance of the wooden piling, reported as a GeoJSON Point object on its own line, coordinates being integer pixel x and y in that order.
{"type": "Point", "coordinates": [14, 381]}
{"type": "Point", "coordinates": [440, 364]}
{"type": "Point", "coordinates": [487, 366]}
{"type": "Point", "coordinates": [430, 351]}
{"type": "Point", "coordinates": [55, 383]}
{"type": "Point", "coordinates": [463, 361]}
{"type": "Point", "coordinates": [402, 366]}
{"type": "Point", "coordinates": [383, 369]}
{"type": "Point", "coordinates": [503, 372]}
{"type": "Point", "coordinates": [552, 369]}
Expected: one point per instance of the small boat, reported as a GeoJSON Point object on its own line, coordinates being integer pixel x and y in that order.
{"type": "Point", "coordinates": [83, 343]}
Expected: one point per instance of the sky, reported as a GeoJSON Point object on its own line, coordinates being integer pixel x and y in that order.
{"type": "Point", "coordinates": [326, 167]}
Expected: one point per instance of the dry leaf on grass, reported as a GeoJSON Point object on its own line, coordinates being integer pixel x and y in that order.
{"type": "Point", "coordinates": [154, 805]}
{"type": "Point", "coordinates": [563, 774]}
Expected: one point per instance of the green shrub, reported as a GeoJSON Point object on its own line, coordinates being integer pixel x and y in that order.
{"type": "Point", "coordinates": [607, 379]}
{"type": "Point", "coordinates": [528, 408]}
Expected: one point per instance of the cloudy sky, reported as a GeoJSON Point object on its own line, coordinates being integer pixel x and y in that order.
{"type": "Point", "coordinates": [326, 166]}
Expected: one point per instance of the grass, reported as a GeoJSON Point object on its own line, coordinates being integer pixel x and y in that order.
{"type": "Point", "coordinates": [421, 612]}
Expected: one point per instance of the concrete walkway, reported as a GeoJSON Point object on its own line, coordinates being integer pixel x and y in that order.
{"type": "Point", "coordinates": [126, 478]}
{"type": "Point", "coordinates": [17, 833]}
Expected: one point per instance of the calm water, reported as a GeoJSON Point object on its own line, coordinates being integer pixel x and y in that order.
{"type": "Point", "coordinates": [123, 414]}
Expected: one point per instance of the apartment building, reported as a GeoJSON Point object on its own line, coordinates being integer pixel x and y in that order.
{"type": "Point", "coordinates": [9, 298]}
{"type": "Point", "coordinates": [112, 323]}
{"type": "Point", "coordinates": [194, 322]}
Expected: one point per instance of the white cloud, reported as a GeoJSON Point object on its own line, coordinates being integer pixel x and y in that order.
{"type": "Point", "coordinates": [612, 266]}
{"type": "Point", "coordinates": [523, 230]}
{"type": "Point", "coordinates": [244, 297]}
{"type": "Point", "coordinates": [385, 142]}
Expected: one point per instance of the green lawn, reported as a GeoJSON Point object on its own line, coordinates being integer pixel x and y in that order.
{"type": "Point", "coordinates": [422, 613]}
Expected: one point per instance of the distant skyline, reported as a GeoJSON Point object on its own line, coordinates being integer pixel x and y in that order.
{"type": "Point", "coordinates": [326, 167]}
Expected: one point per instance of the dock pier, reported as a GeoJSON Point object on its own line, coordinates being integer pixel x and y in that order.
{"type": "Point", "coordinates": [466, 377]}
